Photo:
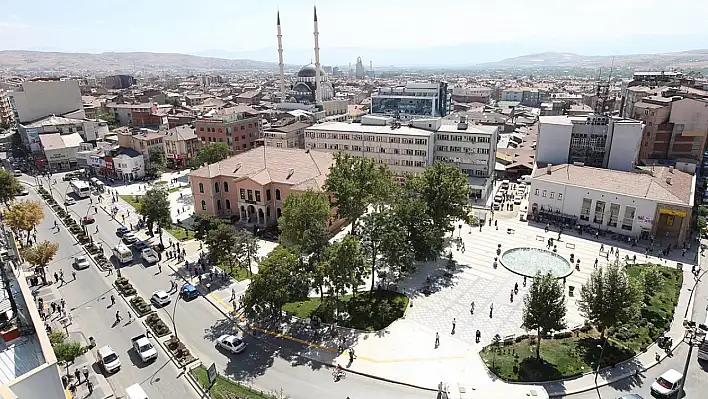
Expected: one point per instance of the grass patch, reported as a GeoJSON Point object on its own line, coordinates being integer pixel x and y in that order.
{"type": "Point", "coordinates": [175, 189]}
{"type": "Point", "coordinates": [570, 356]}
{"type": "Point", "coordinates": [180, 233]}
{"type": "Point", "coordinates": [131, 200]}
{"type": "Point", "coordinates": [226, 389]}
{"type": "Point", "coordinates": [368, 311]}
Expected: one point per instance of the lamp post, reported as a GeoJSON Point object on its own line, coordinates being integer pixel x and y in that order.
{"type": "Point", "coordinates": [174, 309]}
{"type": "Point", "coordinates": [599, 359]}
{"type": "Point", "coordinates": [694, 336]}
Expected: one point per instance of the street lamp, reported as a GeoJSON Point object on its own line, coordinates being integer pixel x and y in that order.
{"type": "Point", "coordinates": [694, 336]}
{"type": "Point", "coordinates": [599, 359]}
{"type": "Point", "coordinates": [174, 310]}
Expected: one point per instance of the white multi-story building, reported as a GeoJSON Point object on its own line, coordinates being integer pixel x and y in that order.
{"type": "Point", "coordinates": [40, 98]}
{"type": "Point", "coordinates": [288, 136]}
{"type": "Point", "coordinates": [403, 148]}
{"type": "Point", "coordinates": [414, 100]}
{"type": "Point", "coordinates": [595, 140]}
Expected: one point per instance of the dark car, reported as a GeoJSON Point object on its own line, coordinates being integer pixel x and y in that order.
{"type": "Point", "coordinates": [189, 291]}
{"type": "Point", "coordinates": [88, 219]}
{"type": "Point", "coordinates": [140, 245]}
{"type": "Point", "coordinates": [122, 230]}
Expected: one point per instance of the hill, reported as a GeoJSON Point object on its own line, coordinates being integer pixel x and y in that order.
{"type": "Point", "coordinates": [38, 61]}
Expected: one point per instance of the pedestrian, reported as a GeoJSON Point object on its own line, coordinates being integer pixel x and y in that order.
{"type": "Point", "coordinates": [437, 340]}
{"type": "Point", "coordinates": [454, 323]}
{"type": "Point", "coordinates": [63, 303]}
{"type": "Point", "coordinates": [118, 318]}
{"type": "Point", "coordinates": [56, 277]}
{"type": "Point", "coordinates": [73, 274]}
{"type": "Point", "coordinates": [130, 317]}
{"type": "Point", "coordinates": [61, 274]}
{"type": "Point", "coordinates": [85, 371]}
{"type": "Point", "coordinates": [233, 294]}
{"type": "Point", "coordinates": [89, 385]}
{"type": "Point", "coordinates": [77, 374]}
{"type": "Point", "coordinates": [72, 389]}
{"type": "Point", "coordinates": [159, 268]}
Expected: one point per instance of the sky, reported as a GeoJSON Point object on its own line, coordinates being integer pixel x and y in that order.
{"type": "Point", "coordinates": [246, 29]}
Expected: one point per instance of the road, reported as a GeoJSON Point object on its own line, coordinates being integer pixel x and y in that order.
{"type": "Point", "coordinates": [199, 323]}
{"type": "Point", "coordinates": [88, 301]}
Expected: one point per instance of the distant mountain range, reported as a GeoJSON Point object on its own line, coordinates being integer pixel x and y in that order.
{"type": "Point", "coordinates": [39, 62]}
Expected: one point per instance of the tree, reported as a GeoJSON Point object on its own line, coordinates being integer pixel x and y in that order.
{"type": "Point", "coordinates": [204, 223]}
{"type": "Point", "coordinates": [247, 249]}
{"type": "Point", "coordinates": [384, 241]}
{"type": "Point", "coordinates": [610, 298]}
{"type": "Point", "coordinates": [304, 221]}
{"type": "Point", "coordinates": [156, 156]}
{"type": "Point", "coordinates": [544, 308]}
{"type": "Point", "coordinates": [355, 183]}
{"type": "Point", "coordinates": [9, 186]}
{"type": "Point", "coordinates": [109, 118]}
{"type": "Point", "coordinates": [67, 352]}
{"type": "Point", "coordinates": [343, 265]}
{"type": "Point", "coordinates": [24, 216]}
{"type": "Point", "coordinates": [209, 154]}
{"type": "Point", "coordinates": [155, 208]}
{"type": "Point", "coordinates": [39, 255]}
{"type": "Point", "coordinates": [278, 281]}
{"type": "Point", "coordinates": [445, 190]}
{"type": "Point", "coordinates": [425, 237]}
{"type": "Point", "coordinates": [223, 244]}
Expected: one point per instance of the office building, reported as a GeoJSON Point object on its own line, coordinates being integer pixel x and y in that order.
{"type": "Point", "coordinates": [39, 98]}
{"type": "Point", "coordinates": [287, 136]}
{"type": "Point", "coordinates": [596, 140]}
{"type": "Point", "coordinates": [414, 100]}
{"type": "Point", "coordinates": [239, 127]}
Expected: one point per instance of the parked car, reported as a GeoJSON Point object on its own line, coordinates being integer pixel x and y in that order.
{"type": "Point", "coordinates": [17, 173]}
{"type": "Point", "coordinates": [69, 201]}
{"type": "Point", "coordinates": [80, 262]}
{"type": "Point", "coordinates": [121, 230]}
{"type": "Point", "coordinates": [88, 219]}
{"type": "Point", "coordinates": [144, 348]}
{"type": "Point", "coordinates": [130, 237]}
{"type": "Point", "coordinates": [108, 358]}
{"type": "Point", "coordinates": [160, 298]}
{"type": "Point", "coordinates": [231, 343]}
{"type": "Point", "coordinates": [667, 384]}
{"type": "Point", "coordinates": [149, 256]}
{"type": "Point", "coordinates": [23, 192]}
{"type": "Point", "coordinates": [189, 291]}
{"type": "Point", "coordinates": [140, 245]}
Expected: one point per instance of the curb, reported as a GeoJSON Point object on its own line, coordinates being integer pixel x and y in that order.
{"type": "Point", "coordinates": [169, 355]}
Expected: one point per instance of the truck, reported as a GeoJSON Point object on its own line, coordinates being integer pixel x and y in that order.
{"type": "Point", "coordinates": [143, 347]}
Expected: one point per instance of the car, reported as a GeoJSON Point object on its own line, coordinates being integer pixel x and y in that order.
{"type": "Point", "coordinates": [150, 256]}
{"type": "Point", "coordinates": [667, 384]}
{"type": "Point", "coordinates": [120, 231]}
{"type": "Point", "coordinates": [160, 298]}
{"type": "Point", "coordinates": [140, 245]}
{"type": "Point", "coordinates": [23, 192]}
{"type": "Point", "coordinates": [80, 262]}
{"type": "Point", "coordinates": [130, 237]}
{"type": "Point", "coordinates": [517, 201]}
{"type": "Point", "coordinates": [88, 219]}
{"type": "Point", "coordinates": [17, 173]}
{"type": "Point", "coordinates": [188, 292]}
{"type": "Point", "coordinates": [108, 358]}
{"type": "Point", "coordinates": [231, 343]}
{"type": "Point", "coordinates": [69, 201]}
{"type": "Point", "coordinates": [630, 396]}
{"type": "Point", "coordinates": [67, 177]}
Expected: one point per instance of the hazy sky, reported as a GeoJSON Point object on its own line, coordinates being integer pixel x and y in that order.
{"type": "Point", "coordinates": [191, 26]}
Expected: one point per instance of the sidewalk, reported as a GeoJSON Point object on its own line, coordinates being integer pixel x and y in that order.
{"type": "Point", "coordinates": [101, 388]}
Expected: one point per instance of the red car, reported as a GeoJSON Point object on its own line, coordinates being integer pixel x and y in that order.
{"type": "Point", "coordinates": [88, 219]}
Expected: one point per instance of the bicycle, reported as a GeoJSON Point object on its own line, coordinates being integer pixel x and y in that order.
{"type": "Point", "coordinates": [339, 375]}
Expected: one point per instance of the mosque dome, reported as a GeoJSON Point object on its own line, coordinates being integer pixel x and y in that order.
{"type": "Point", "coordinates": [309, 71]}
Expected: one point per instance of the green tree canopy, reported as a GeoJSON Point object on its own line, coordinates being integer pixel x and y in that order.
{"type": "Point", "coordinates": [426, 238]}
{"type": "Point", "coordinates": [203, 223]}
{"type": "Point", "coordinates": [67, 352]}
{"type": "Point", "coordinates": [223, 243]}
{"type": "Point", "coordinates": [210, 153]}
{"type": "Point", "coordinates": [155, 208]}
{"type": "Point", "coordinates": [247, 252]}
{"type": "Point", "coordinates": [544, 307]}
{"type": "Point", "coordinates": [344, 264]}
{"type": "Point", "coordinates": [40, 254]}
{"type": "Point", "coordinates": [304, 221]}
{"type": "Point", "coordinates": [445, 189]}
{"type": "Point", "coordinates": [278, 281]}
{"type": "Point", "coordinates": [9, 186]}
{"type": "Point", "coordinates": [610, 298]}
{"type": "Point", "coordinates": [385, 242]}
{"type": "Point", "coordinates": [157, 158]}
{"type": "Point", "coordinates": [355, 183]}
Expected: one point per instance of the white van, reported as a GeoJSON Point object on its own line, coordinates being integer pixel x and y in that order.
{"type": "Point", "coordinates": [135, 391]}
{"type": "Point", "coordinates": [123, 253]}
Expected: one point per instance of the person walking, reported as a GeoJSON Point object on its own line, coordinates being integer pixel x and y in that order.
{"type": "Point", "coordinates": [437, 339]}
{"type": "Point", "coordinates": [89, 385]}
{"type": "Point", "coordinates": [77, 374]}
{"type": "Point", "coordinates": [113, 300]}
{"type": "Point", "coordinates": [85, 371]}
{"type": "Point", "coordinates": [454, 324]}
{"type": "Point", "coordinates": [73, 274]}
{"type": "Point", "coordinates": [118, 318]}
{"type": "Point", "coordinates": [159, 268]}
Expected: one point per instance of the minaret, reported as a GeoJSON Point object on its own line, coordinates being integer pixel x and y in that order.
{"type": "Point", "coordinates": [280, 62]}
{"type": "Point", "coordinates": [318, 89]}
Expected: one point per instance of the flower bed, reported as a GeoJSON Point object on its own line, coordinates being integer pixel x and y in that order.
{"type": "Point", "coordinates": [158, 327]}
{"type": "Point", "coordinates": [179, 351]}
{"type": "Point", "coordinates": [124, 287]}
{"type": "Point", "coordinates": [141, 307]}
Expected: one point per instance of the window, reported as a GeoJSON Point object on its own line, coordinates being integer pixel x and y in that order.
{"type": "Point", "coordinates": [203, 205]}
{"type": "Point", "coordinates": [250, 195]}
{"type": "Point", "coordinates": [226, 187]}
{"type": "Point", "coordinates": [268, 195]}
{"type": "Point", "coordinates": [628, 219]}
{"type": "Point", "coordinates": [277, 195]}
{"type": "Point", "coordinates": [553, 195]}
{"type": "Point", "coordinates": [585, 209]}
{"type": "Point", "coordinates": [535, 192]}
{"type": "Point", "coordinates": [544, 193]}
{"type": "Point", "coordinates": [614, 215]}
{"type": "Point", "coordinates": [258, 196]}
{"type": "Point", "coordinates": [216, 187]}
{"type": "Point", "coordinates": [243, 194]}
{"type": "Point", "coordinates": [599, 212]}
{"type": "Point", "coordinates": [218, 205]}
{"type": "Point", "coordinates": [228, 204]}
{"type": "Point", "coordinates": [560, 196]}
{"type": "Point", "coordinates": [201, 188]}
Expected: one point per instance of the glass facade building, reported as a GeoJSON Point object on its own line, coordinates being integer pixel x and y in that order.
{"type": "Point", "coordinates": [414, 100]}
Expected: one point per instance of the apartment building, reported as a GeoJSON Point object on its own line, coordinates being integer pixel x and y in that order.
{"type": "Point", "coordinates": [6, 116]}
{"type": "Point", "coordinates": [404, 148]}
{"type": "Point", "coordinates": [412, 101]}
{"type": "Point", "coordinates": [596, 140]}
{"type": "Point", "coordinates": [528, 96]}
{"type": "Point", "coordinates": [141, 140]}
{"type": "Point", "coordinates": [137, 115]}
{"type": "Point", "coordinates": [471, 94]}
{"type": "Point", "coordinates": [288, 136]}
{"type": "Point", "coordinates": [180, 144]}
{"type": "Point", "coordinates": [42, 97]}
{"type": "Point", "coordinates": [239, 127]}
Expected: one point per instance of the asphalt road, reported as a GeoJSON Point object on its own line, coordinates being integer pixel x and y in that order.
{"type": "Point", "coordinates": [199, 323]}
{"type": "Point", "coordinates": [88, 301]}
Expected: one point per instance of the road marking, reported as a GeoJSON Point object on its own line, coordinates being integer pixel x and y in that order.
{"type": "Point", "coordinates": [325, 348]}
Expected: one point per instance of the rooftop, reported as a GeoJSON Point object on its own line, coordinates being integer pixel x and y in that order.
{"type": "Point", "coordinates": [300, 169]}
{"type": "Point", "coordinates": [55, 141]}
{"type": "Point", "coordinates": [640, 184]}
{"type": "Point", "coordinates": [52, 120]}
{"type": "Point", "coordinates": [370, 129]}
{"type": "Point", "coordinates": [471, 128]}
{"type": "Point", "coordinates": [292, 127]}
{"type": "Point", "coordinates": [183, 132]}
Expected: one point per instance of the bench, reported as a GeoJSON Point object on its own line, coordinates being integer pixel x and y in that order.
{"type": "Point", "coordinates": [569, 245]}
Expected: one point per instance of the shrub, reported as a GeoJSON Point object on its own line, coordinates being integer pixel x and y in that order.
{"type": "Point", "coordinates": [140, 305]}
{"type": "Point", "coordinates": [562, 335]}
{"type": "Point", "coordinates": [157, 325]}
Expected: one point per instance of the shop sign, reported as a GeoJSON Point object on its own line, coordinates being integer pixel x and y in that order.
{"type": "Point", "coordinates": [644, 220]}
{"type": "Point", "coordinates": [672, 212]}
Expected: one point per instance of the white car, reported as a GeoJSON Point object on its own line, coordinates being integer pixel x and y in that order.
{"type": "Point", "coordinates": [69, 201]}
{"type": "Point", "coordinates": [130, 237]}
{"type": "Point", "coordinates": [517, 201]}
{"type": "Point", "coordinates": [160, 298]}
{"type": "Point", "coordinates": [109, 359]}
{"type": "Point", "coordinates": [23, 192]}
{"type": "Point", "coordinates": [80, 262]}
{"type": "Point", "coordinates": [667, 384]}
{"type": "Point", "coordinates": [231, 343]}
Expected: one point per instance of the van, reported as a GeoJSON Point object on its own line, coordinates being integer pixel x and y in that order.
{"type": "Point", "coordinates": [108, 358]}
{"type": "Point", "coordinates": [135, 391]}
{"type": "Point", "coordinates": [100, 186]}
{"type": "Point", "coordinates": [94, 181]}
{"type": "Point", "coordinates": [123, 253]}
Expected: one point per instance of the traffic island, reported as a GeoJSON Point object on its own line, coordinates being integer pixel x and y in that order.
{"type": "Point", "coordinates": [158, 327]}
{"type": "Point", "coordinates": [179, 351]}
{"type": "Point", "coordinates": [226, 388]}
{"type": "Point", "coordinates": [124, 287]}
{"type": "Point", "coordinates": [141, 307]}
